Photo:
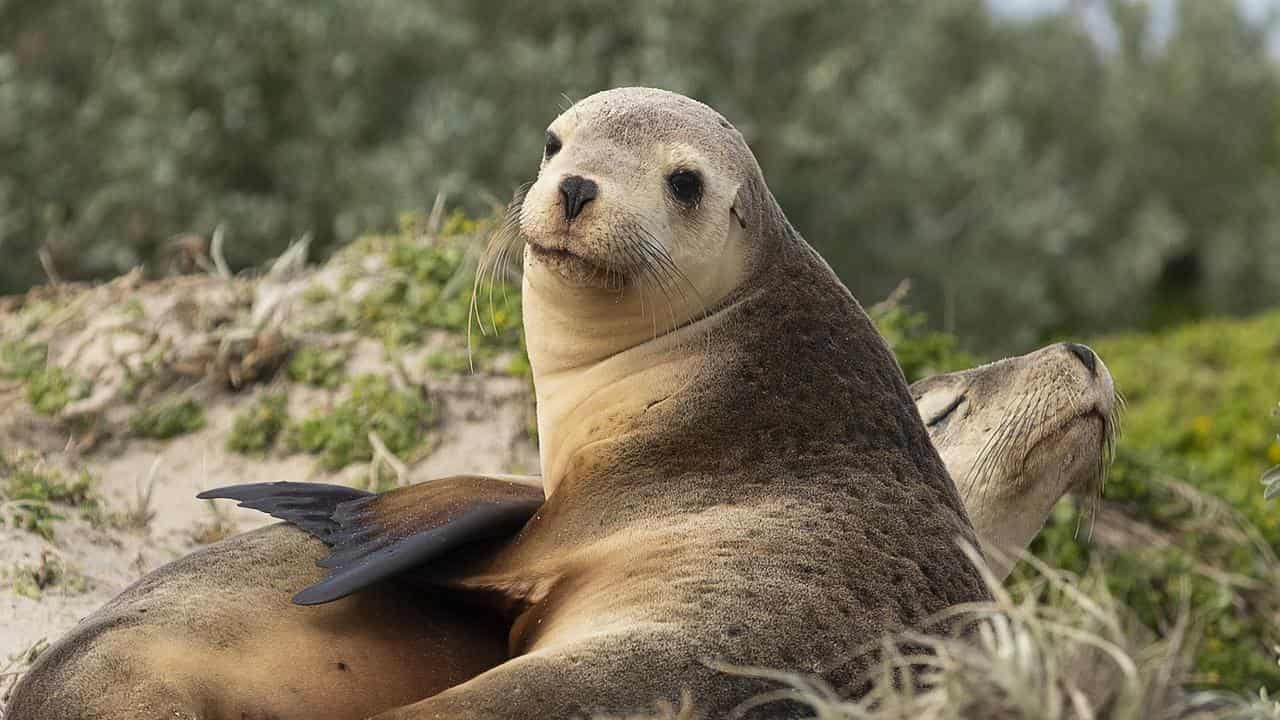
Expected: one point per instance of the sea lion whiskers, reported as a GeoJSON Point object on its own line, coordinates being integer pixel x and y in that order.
{"type": "Point", "coordinates": [1112, 428]}
{"type": "Point", "coordinates": [1013, 445]}
{"type": "Point", "coordinates": [494, 259]}
{"type": "Point", "coordinates": [664, 268]}
{"type": "Point", "coordinates": [993, 452]}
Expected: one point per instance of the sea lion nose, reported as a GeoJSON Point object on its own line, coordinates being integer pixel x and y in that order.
{"type": "Point", "coordinates": [1085, 356]}
{"type": "Point", "coordinates": [577, 191]}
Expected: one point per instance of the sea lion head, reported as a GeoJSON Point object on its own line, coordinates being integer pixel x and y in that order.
{"type": "Point", "coordinates": [637, 214]}
{"type": "Point", "coordinates": [1020, 433]}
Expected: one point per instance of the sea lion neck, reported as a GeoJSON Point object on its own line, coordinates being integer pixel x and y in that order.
{"type": "Point", "coordinates": [601, 359]}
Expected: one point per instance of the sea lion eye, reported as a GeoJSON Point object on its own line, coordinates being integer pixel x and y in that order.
{"type": "Point", "coordinates": [946, 412]}
{"type": "Point", "coordinates": [685, 185]}
{"type": "Point", "coordinates": [552, 147]}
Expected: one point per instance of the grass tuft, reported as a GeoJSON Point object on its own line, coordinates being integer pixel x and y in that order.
{"type": "Point", "coordinates": [340, 436]}
{"type": "Point", "coordinates": [168, 420]}
{"type": "Point", "coordinates": [32, 581]}
{"type": "Point", "coordinates": [318, 367]}
{"type": "Point", "coordinates": [254, 431]}
{"type": "Point", "coordinates": [29, 493]}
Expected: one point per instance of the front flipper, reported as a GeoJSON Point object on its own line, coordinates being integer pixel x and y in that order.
{"type": "Point", "coordinates": [377, 536]}
{"type": "Point", "coordinates": [310, 506]}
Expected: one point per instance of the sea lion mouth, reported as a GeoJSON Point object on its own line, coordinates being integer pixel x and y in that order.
{"type": "Point", "coordinates": [576, 267]}
{"type": "Point", "coordinates": [1105, 438]}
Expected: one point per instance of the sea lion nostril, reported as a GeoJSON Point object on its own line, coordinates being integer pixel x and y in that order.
{"type": "Point", "coordinates": [1085, 355]}
{"type": "Point", "coordinates": [576, 191]}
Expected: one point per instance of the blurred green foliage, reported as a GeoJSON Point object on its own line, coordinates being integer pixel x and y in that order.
{"type": "Point", "coordinates": [920, 351]}
{"type": "Point", "coordinates": [1029, 176]}
{"type": "Point", "coordinates": [20, 360]}
{"type": "Point", "coordinates": [340, 436]}
{"type": "Point", "coordinates": [49, 388]}
{"type": "Point", "coordinates": [1198, 434]}
{"type": "Point", "coordinates": [254, 431]}
{"type": "Point", "coordinates": [167, 419]}
{"type": "Point", "coordinates": [318, 367]}
{"type": "Point", "coordinates": [427, 284]}
{"type": "Point", "coordinates": [27, 489]}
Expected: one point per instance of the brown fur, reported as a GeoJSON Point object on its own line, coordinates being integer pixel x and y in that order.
{"type": "Point", "coordinates": [213, 636]}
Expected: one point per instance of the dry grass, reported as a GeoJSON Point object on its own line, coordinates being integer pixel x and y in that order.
{"type": "Point", "coordinates": [1063, 650]}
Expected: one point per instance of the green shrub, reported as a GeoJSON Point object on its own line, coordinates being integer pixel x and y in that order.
{"type": "Point", "coordinates": [920, 351]}
{"type": "Point", "coordinates": [21, 360]}
{"type": "Point", "coordinates": [427, 284]}
{"type": "Point", "coordinates": [52, 388]}
{"type": "Point", "coordinates": [1198, 434]}
{"type": "Point", "coordinates": [49, 388]}
{"type": "Point", "coordinates": [340, 436]}
{"type": "Point", "coordinates": [254, 431]}
{"type": "Point", "coordinates": [318, 367]}
{"type": "Point", "coordinates": [168, 419]}
{"type": "Point", "coordinates": [27, 493]}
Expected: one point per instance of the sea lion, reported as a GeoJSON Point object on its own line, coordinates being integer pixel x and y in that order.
{"type": "Point", "coordinates": [1017, 435]}
{"type": "Point", "coordinates": [217, 607]}
{"type": "Point", "coordinates": [744, 478]}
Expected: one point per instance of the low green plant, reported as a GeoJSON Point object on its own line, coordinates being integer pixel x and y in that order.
{"type": "Point", "coordinates": [52, 388]}
{"type": "Point", "coordinates": [1271, 478]}
{"type": "Point", "coordinates": [340, 436]}
{"type": "Point", "coordinates": [449, 362]}
{"type": "Point", "coordinates": [168, 419]}
{"type": "Point", "coordinates": [20, 360]}
{"type": "Point", "coordinates": [49, 388]}
{"type": "Point", "coordinates": [1197, 436]}
{"type": "Point", "coordinates": [427, 283]}
{"type": "Point", "coordinates": [32, 581]}
{"type": "Point", "coordinates": [28, 495]}
{"type": "Point", "coordinates": [318, 367]}
{"type": "Point", "coordinates": [920, 351]}
{"type": "Point", "coordinates": [254, 431]}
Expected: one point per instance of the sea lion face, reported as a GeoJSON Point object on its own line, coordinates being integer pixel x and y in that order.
{"type": "Point", "coordinates": [1018, 434]}
{"type": "Point", "coordinates": [636, 196]}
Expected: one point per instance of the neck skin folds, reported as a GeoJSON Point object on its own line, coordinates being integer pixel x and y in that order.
{"type": "Point", "coordinates": [600, 359]}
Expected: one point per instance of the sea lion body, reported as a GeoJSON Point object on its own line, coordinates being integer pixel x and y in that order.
{"type": "Point", "coordinates": [215, 636]}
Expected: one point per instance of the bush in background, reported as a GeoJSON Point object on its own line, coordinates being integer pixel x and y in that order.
{"type": "Point", "coordinates": [1031, 176]}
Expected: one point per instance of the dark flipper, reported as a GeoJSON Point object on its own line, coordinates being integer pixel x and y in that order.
{"type": "Point", "coordinates": [377, 536]}
{"type": "Point", "coordinates": [310, 506]}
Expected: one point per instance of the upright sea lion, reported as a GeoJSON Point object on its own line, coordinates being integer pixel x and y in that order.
{"type": "Point", "coordinates": [228, 606]}
{"type": "Point", "coordinates": [742, 478]}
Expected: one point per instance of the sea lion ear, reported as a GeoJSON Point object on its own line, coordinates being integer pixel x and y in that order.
{"type": "Point", "coordinates": [736, 208]}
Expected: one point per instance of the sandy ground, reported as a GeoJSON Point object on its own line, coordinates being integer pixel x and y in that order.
{"type": "Point", "coordinates": [481, 428]}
